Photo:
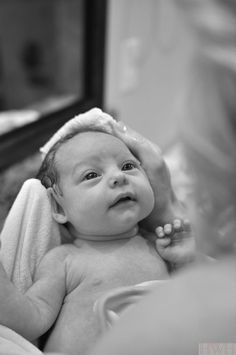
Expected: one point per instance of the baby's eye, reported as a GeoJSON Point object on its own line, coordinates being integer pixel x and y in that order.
{"type": "Point", "coordinates": [129, 166]}
{"type": "Point", "coordinates": [91, 175]}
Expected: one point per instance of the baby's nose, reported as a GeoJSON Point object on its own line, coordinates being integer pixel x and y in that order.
{"type": "Point", "coordinates": [118, 179]}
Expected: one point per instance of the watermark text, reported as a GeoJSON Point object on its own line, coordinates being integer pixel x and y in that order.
{"type": "Point", "coordinates": [217, 349]}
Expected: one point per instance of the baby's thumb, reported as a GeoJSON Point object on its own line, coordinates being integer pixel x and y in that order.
{"type": "Point", "coordinates": [162, 243]}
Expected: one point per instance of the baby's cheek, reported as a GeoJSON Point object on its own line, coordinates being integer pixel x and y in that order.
{"type": "Point", "coordinates": [148, 200]}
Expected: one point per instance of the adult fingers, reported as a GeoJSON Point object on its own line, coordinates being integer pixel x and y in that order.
{"type": "Point", "coordinates": [141, 147]}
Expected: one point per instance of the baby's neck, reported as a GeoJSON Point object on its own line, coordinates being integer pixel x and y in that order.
{"type": "Point", "coordinates": [106, 238]}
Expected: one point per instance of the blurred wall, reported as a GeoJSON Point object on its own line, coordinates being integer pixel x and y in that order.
{"type": "Point", "coordinates": [147, 59]}
{"type": "Point", "coordinates": [41, 51]}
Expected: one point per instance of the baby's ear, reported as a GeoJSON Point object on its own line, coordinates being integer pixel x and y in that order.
{"type": "Point", "coordinates": [58, 212]}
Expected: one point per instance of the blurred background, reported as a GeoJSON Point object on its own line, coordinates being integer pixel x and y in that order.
{"type": "Point", "coordinates": [61, 57]}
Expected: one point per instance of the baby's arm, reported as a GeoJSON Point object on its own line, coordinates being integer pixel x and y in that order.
{"type": "Point", "coordinates": [175, 243]}
{"type": "Point", "coordinates": [31, 314]}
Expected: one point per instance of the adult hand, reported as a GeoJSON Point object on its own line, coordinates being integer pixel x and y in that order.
{"type": "Point", "coordinates": [167, 207]}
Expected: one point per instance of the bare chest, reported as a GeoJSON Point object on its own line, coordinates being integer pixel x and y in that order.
{"type": "Point", "coordinates": [114, 264]}
{"type": "Point", "coordinates": [93, 269]}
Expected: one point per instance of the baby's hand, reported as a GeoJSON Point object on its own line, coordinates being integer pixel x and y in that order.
{"type": "Point", "coordinates": [175, 243]}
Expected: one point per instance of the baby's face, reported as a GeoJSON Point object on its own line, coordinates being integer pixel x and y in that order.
{"type": "Point", "coordinates": [105, 191]}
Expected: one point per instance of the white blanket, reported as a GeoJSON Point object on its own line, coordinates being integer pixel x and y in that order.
{"type": "Point", "coordinates": [28, 233]}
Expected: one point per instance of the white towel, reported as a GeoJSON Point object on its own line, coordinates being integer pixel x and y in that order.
{"type": "Point", "coordinates": [92, 120]}
{"type": "Point", "coordinates": [12, 343]}
{"type": "Point", "coordinates": [28, 233]}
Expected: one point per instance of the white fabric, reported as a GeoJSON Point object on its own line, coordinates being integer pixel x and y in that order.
{"type": "Point", "coordinates": [94, 119]}
{"type": "Point", "coordinates": [12, 343]}
{"type": "Point", "coordinates": [28, 233]}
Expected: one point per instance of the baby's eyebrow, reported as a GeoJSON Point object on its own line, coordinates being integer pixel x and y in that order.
{"type": "Point", "coordinates": [77, 169]}
{"type": "Point", "coordinates": [83, 165]}
{"type": "Point", "coordinates": [77, 166]}
{"type": "Point", "coordinates": [133, 157]}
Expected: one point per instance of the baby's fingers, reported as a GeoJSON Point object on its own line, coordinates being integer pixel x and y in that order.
{"type": "Point", "coordinates": [163, 237]}
{"type": "Point", "coordinates": [167, 230]}
{"type": "Point", "coordinates": [177, 225]}
{"type": "Point", "coordinates": [175, 231]}
{"type": "Point", "coordinates": [160, 232]}
{"type": "Point", "coordinates": [187, 225]}
{"type": "Point", "coordinates": [181, 225]}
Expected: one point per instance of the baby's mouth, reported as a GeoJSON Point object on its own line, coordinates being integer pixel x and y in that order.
{"type": "Point", "coordinates": [123, 199]}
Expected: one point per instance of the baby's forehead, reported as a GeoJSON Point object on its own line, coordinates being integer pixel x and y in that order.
{"type": "Point", "coordinates": [92, 143]}
{"type": "Point", "coordinates": [90, 139]}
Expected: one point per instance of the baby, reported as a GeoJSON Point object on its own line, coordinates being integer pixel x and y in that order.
{"type": "Point", "coordinates": [100, 191]}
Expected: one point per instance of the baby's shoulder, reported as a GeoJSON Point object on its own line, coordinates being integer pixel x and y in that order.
{"type": "Point", "coordinates": [59, 254]}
